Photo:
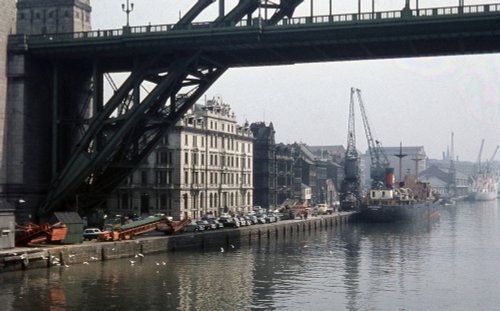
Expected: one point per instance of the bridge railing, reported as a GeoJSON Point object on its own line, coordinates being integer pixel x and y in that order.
{"type": "Point", "coordinates": [334, 19]}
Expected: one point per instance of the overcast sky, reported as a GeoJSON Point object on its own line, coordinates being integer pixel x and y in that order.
{"type": "Point", "coordinates": [415, 101]}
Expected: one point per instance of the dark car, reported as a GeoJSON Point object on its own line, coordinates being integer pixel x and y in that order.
{"type": "Point", "coordinates": [229, 223]}
{"type": "Point", "coordinates": [194, 227]}
{"type": "Point", "coordinates": [91, 233]}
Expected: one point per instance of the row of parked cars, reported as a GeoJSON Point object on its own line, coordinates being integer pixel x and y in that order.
{"type": "Point", "coordinates": [228, 221]}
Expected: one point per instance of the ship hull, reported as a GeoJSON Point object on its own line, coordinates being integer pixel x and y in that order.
{"type": "Point", "coordinates": [397, 213]}
{"type": "Point", "coordinates": [483, 196]}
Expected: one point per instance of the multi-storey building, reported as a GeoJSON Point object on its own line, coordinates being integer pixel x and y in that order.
{"type": "Point", "coordinates": [264, 168]}
{"type": "Point", "coordinates": [309, 170]}
{"type": "Point", "coordinates": [203, 166]}
{"type": "Point", "coordinates": [284, 173]}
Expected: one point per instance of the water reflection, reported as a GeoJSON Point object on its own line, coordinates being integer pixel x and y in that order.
{"type": "Point", "coordinates": [430, 265]}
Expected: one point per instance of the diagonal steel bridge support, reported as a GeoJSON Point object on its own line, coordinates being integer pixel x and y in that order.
{"type": "Point", "coordinates": [121, 133]}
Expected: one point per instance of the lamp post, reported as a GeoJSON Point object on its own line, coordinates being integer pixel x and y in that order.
{"type": "Point", "coordinates": [127, 8]}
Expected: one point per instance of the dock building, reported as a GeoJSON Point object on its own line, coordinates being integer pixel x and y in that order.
{"type": "Point", "coordinates": [204, 165]}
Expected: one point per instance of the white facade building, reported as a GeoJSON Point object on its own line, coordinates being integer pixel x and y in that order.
{"type": "Point", "coordinates": [203, 166]}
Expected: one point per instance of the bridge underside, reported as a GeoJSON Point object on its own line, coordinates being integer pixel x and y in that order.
{"type": "Point", "coordinates": [96, 145]}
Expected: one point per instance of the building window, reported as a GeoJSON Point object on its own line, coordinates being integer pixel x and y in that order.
{"type": "Point", "coordinates": [161, 177]}
{"type": "Point", "coordinates": [163, 201]}
{"type": "Point", "coordinates": [186, 177]}
{"type": "Point", "coordinates": [162, 157]}
{"type": "Point", "coordinates": [185, 201]}
{"type": "Point", "coordinates": [144, 177]}
{"type": "Point", "coordinates": [195, 159]}
{"type": "Point", "coordinates": [186, 158]}
{"type": "Point", "coordinates": [124, 199]}
{"type": "Point", "coordinates": [186, 140]}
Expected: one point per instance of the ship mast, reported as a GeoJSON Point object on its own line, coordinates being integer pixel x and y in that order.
{"type": "Point", "coordinates": [400, 155]}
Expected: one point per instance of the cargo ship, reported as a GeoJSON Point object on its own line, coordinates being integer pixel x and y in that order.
{"type": "Point", "coordinates": [484, 187]}
{"type": "Point", "coordinates": [411, 200]}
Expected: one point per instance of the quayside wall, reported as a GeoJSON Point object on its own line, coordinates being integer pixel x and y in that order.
{"type": "Point", "coordinates": [61, 255]}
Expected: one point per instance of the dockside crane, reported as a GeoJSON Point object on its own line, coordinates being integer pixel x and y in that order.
{"type": "Point", "coordinates": [478, 167]}
{"type": "Point", "coordinates": [380, 172]}
{"type": "Point", "coordinates": [350, 195]}
{"type": "Point", "coordinates": [490, 162]}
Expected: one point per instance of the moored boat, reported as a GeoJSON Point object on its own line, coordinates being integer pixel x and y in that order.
{"type": "Point", "coordinates": [413, 201]}
{"type": "Point", "coordinates": [484, 188]}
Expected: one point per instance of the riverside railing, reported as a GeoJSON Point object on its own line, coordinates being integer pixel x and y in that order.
{"type": "Point", "coordinates": [404, 14]}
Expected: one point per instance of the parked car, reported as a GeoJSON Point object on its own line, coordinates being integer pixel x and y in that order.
{"type": "Point", "coordinates": [194, 227]}
{"type": "Point", "coordinates": [241, 220]}
{"type": "Point", "coordinates": [270, 218]}
{"type": "Point", "coordinates": [207, 225]}
{"type": "Point", "coordinates": [91, 233]}
{"type": "Point", "coordinates": [251, 219]}
{"type": "Point", "coordinates": [217, 223]}
{"type": "Point", "coordinates": [229, 223]}
{"type": "Point", "coordinates": [261, 219]}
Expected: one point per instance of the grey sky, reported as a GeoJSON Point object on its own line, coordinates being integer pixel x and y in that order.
{"type": "Point", "coordinates": [416, 101]}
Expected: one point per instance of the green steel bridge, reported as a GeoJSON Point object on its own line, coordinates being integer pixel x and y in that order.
{"type": "Point", "coordinates": [94, 145]}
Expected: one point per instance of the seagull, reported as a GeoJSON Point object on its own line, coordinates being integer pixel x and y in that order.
{"type": "Point", "coordinates": [66, 266]}
{"type": "Point", "coordinates": [163, 263]}
{"type": "Point", "coordinates": [44, 258]}
{"type": "Point", "coordinates": [222, 249]}
{"type": "Point", "coordinates": [232, 246]}
{"type": "Point", "coordinates": [85, 263]}
{"type": "Point", "coordinates": [157, 263]}
{"type": "Point", "coordinates": [140, 255]}
{"type": "Point", "coordinates": [23, 256]}
{"type": "Point", "coordinates": [113, 249]}
{"type": "Point", "coordinates": [132, 262]}
{"type": "Point", "coordinates": [71, 255]}
{"type": "Point", "coordinates": [93, 258]}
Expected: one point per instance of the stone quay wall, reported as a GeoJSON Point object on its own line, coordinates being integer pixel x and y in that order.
{"type": "Point", "coordinates": [60, 255]}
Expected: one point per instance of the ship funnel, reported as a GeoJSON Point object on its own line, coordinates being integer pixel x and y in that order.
{"type": "Point", "coordinates": [389, 177]}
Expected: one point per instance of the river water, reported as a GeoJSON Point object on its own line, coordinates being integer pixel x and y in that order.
{"type": "Point", "coordinates": [450, 264]}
